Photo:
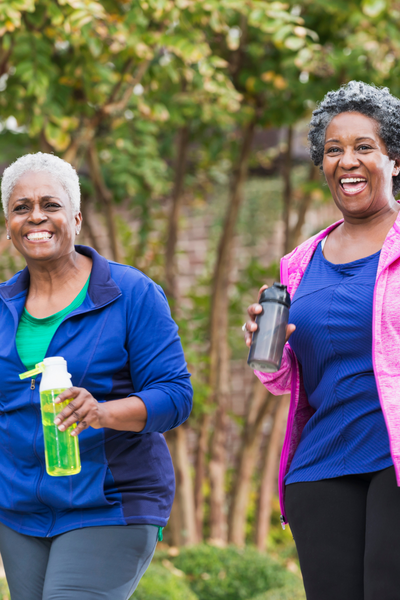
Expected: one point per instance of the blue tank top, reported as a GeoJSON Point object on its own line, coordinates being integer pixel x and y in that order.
{"type": "Point", "coordinates": [332, 311]}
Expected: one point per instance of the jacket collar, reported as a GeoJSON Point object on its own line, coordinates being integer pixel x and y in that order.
{"type": "Point", "coordinates": [102, 288]}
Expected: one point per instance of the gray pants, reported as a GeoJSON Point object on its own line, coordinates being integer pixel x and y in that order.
{"type": "Point", "coordinates": [84, 564]}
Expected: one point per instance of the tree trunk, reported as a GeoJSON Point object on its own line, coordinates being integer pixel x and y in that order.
{"type": "Point", "coordinates": [219, 350]}
{"type": "Point", "coordinates": [5, 56]}
{"type": "Point", "coordinates": [105, 197]}
{"type": "Point", "coordinates": [259, 406]}
{"type": "Point", "coordinates": [177, 195]}
{"type": "Point", "coordinates": [88, 130]}
{"type": "Point", "coordinates": [200, 472]}
{"type": "Point", "coordinates": [303, 207]}
{"type": "Point", "coordinates": [183, 525]}
{"type": "Point", "coordinates": [269, 472]}
{"type": "Point", "coordinates": [87, 225]}
{"type": "Point", "coordinates": [287, 187]}
{"type": "Point", "coordinates": [217, 466]}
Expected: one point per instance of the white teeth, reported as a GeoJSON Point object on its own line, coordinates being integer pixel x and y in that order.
{"type": "Point", "coordinates": [351, 180]}
{"type": "Point", "coordinates": [40, 235]}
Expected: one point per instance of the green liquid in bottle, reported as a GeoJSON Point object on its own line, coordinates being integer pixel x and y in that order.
{"type": "Point", "coordinates": [61, 449]}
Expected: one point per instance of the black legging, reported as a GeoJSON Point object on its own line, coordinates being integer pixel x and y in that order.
{"type": "Point", "coordinates": [347, 533]}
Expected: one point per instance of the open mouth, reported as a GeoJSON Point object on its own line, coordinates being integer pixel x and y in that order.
{"type": "Point", "coordinates": [353, 185]}
{"type": "Point", "coordinates": [39, 236]}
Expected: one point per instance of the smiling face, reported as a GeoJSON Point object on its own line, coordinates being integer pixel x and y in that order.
{"type": "Point", "coordinates": [40, 218]}
{"type": "Point", "coordinates": [356, 165]}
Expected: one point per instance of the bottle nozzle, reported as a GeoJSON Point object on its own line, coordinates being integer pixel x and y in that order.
{"type": "Point", "coordinates": [39, 368]}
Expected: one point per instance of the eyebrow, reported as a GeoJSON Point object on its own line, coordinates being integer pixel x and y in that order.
{"type": "Point", "coordinates": [365, 137]}
{"type": "Point", "coordinates": [42, 198]}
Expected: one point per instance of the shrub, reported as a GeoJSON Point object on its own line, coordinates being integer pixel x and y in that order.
{"type": "Point", "coordinates": [4, 593]}
{"type": "Point", "coordinates": [288, 592]}
{"type": "Point", "coordinates": [230, 573]}
{"type": "Point", "coordinates": [158, 583]}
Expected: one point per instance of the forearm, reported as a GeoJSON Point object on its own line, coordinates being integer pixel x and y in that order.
{"type": "Point", "coordinates": [126, 414]}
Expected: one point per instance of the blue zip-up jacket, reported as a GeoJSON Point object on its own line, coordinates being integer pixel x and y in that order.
{"type": "Point", "coordinates": [120, 342]}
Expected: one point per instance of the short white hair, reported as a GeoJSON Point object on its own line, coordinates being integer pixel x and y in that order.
{"type": "Point", "coordinates": [62, 171]}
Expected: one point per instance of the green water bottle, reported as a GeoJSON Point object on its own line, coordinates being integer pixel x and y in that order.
{"type": "Point", "coordinates": [61, 449]}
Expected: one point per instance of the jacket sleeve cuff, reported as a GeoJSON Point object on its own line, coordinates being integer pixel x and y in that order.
{"type": "Point", "coordinates": [162, 412]}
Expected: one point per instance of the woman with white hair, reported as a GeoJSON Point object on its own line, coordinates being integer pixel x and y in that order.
{"type": "Point", "coordinates": [340, 464]}
{"type": "Point", "coordinates": [93, 534]}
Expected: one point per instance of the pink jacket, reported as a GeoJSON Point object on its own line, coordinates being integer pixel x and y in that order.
{"type": "Point", "coordinates": [385, 350]}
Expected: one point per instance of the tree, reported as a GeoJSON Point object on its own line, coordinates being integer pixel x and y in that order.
{"type": "Point", "coordinates": [253, 27]}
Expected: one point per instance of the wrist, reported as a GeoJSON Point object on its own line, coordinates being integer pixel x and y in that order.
{"type": "Point", "coordinates": [104, 414]}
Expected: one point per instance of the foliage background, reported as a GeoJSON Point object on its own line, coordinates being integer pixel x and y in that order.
{"type": "Point", "coordinates": [186, 121]}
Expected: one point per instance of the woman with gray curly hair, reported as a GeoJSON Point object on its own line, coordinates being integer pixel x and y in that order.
{"type": "Point", "coordinates": [92, 534]}
{"type": "Point", "coordinates": [340, 464]}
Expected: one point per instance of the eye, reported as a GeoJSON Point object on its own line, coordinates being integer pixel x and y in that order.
{"type": "Point", "coordinates": [20, 208]}
{"type": "Point", "coordinates": [51, 205]}
{"type": "Point", "coordinates": [364, 147]}
{"type": "Point", "coordinates": [333, 150]}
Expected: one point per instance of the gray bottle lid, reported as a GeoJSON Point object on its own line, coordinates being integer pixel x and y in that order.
{"type": "Point", "coordinates": [276, 293]}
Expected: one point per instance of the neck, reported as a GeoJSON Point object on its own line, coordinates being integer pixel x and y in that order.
{"type": "Point", "coordinates": [56, 274]}
{"type": "Point", "coordinates": [376, 225]}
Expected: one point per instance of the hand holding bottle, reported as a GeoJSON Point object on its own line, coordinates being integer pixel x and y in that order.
{"type": "Point", "coordinates": [82, 409]}
{"type": "Point", "coordinates": [251, 326]}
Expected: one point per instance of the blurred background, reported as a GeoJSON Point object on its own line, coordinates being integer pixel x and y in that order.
{"type": "Point", "coordinates": [187, 122]}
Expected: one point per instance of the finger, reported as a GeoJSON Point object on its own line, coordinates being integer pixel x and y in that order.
{"type": "Point", "coordinates": [67, 394]}
{"type": "Point", "coordinates": [69, 411]}
{"type": "Point", "coordinates": [75, 415]}
{"type": "Point", "coordinates": [264, 287]}
{"type": "Point", "coordinates": [289, 330]}
{"type": "Point", "coordinates": [254, 310]}
{"type": "Point", "coordinates": [79, 428]}
{"type": "Point", "coordinates": [251, 327]}
{"type": "Point", "coordinates": [248, 338]}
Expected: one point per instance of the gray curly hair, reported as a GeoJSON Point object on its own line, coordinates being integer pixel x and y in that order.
{"type": "Point", "coordinates": [62, 171]}
{"type": "Point", "coordinates": [377, 103]}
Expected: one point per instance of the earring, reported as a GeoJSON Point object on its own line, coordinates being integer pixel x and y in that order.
{"type": "Point", "coordinates": [8, 236]}
{"type": "Point", "coordinates": [77, 231]}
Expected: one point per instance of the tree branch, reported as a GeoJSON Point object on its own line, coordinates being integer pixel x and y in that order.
{"type": "Point", "coordinates": [88, 131]}
{"type": "Point", "coordinates": [105, 197]}
{"type": "Point", "coordinates": [122, 103]}
{"type": "Point", "coordinates": [4, 57]}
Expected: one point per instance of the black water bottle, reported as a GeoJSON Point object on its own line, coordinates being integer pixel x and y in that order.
{"type": "Point", "coordinates": [268, 341]}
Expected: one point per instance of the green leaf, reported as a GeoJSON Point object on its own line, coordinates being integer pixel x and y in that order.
{"type": "Point", "coordinates": [373, 8]}
{"type": "Point", "coordinates": [294, 43]}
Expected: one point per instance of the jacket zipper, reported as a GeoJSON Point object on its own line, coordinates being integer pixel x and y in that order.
{"type": "Point", "coordinates": [39, 417]}
{"type": "Point", "coordinates": [53, 512]}
{"type": "Point", "coordinates": [374, 368]}
{"type": "Point", "coordinates": [284, 274]}
{"type": "Point", "coordinates": [42, 467]}
{"type": "Point", "coordinates": [285, 450]}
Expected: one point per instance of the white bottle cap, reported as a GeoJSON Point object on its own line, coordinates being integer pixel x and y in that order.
{"type": "Point", "coordinates": [54, 360]}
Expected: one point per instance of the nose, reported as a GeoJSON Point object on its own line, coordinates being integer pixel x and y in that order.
{"type": "Point", "coordinates": [37, 215]}
{"type": "Point", "coordinates": [349, 159]}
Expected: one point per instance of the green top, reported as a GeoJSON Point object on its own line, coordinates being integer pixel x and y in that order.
{"type": "Point", "coordinates": [34, 335]}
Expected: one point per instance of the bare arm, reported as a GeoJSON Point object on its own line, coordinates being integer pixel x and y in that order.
{"type": "Point", "coordinates": [126, 414]}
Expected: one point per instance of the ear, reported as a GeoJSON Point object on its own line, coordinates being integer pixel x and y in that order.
{"type": "Point", "coordinates": [396, 167]}
{"type": "Point", "coordinates": [78, 223]}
